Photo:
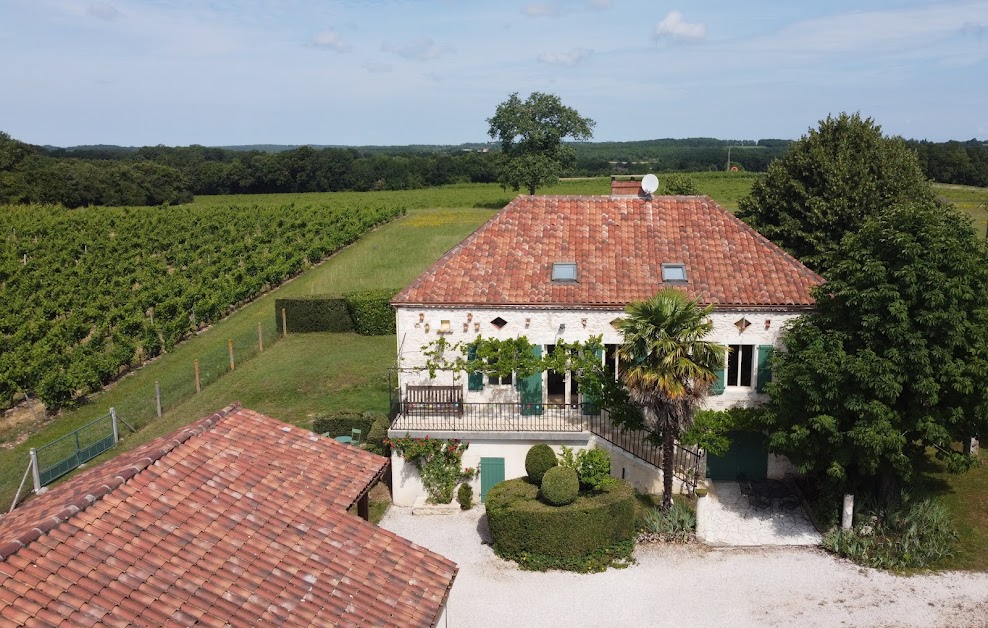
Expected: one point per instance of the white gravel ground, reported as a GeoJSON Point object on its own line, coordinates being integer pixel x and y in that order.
{"type": "Point", "coordinates": [688, 586]}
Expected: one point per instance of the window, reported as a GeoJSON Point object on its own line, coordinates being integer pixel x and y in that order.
{"type": "Point", "coordinates": [495, 380]}
{"type": "Point", "coordinates": [739, 365]}
{"type": "Point", "coordinates": [674, 272]}
{"type": "Point", "coordinates": [564, 271]}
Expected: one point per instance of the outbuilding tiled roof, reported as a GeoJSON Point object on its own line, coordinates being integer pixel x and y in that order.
{"type": "Point", "coordinates": [619, 244]}
{"type": "Point", "coordinates": [238, 519]}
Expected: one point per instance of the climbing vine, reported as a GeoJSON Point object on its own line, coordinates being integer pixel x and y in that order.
{"type": "Point", "coordinates": [438, 462]}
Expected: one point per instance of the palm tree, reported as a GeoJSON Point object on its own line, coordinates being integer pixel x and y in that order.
{"type": "Point", "coordinates": [670, 367]}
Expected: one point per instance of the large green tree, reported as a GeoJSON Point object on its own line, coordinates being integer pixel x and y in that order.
{"type": "Point", "coordinates": [531, 134]}
{"type": "Point", "coordinates": [671, 367]}
{"type": "Point", "coordinates": [894, 359]}
{"type": "Point", "coordinates": [829, 183]}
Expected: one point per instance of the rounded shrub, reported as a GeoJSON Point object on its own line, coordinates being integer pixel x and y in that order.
{"type": "Point", "coordinates": [539, 459]}
{"type": "Point", "coordinates": [465, 496]}
{"type": "Point", "coordinates": [560, 486]}
{"type": "Point", "coordinates": [594, 531]}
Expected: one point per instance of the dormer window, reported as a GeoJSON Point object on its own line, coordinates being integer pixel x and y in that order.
{"type": "Point", "coordinates": [674, 272]}
{"type": "Point", "coordinates": [564, 272]}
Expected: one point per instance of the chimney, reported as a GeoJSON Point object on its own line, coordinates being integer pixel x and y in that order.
{"type": "Point", "coordinates": [627, 185]}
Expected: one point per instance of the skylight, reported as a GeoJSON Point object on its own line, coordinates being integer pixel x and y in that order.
{"type": "Point", "coordinates": [674, 272]}
{"type": "Point", "coordinates": [564, 271]}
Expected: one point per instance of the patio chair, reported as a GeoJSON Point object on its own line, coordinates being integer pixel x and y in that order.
{"type": "Point", "coordinates": [352, 439]}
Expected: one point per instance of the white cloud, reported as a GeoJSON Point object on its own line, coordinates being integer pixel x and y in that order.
{"type": "Point", "coordinates": [420, 50]}
{"type": "Point", "coordinates": [330, 40]}
{"type": "Point", "coordinates": [540, 9]}
{"type": "Point", "coordinates": [601, 4]}
{"type": "Point", "coordinates": [568, 58]}
{"type": "Point", "coordinates": [103, 11]}
{"type": "Point", "coordinates": [375, 67]}
{"type": "Point", "coordinates": [673, 26]}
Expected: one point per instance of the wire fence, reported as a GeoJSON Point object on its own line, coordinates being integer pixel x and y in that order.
{"type": "Point", "coordinates": [168, 385]}
{"type": "Point", "coordinates": [176, 385]}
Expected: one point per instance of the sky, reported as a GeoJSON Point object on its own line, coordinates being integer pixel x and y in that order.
{"type": "Point", "coordinates": [392, 72]}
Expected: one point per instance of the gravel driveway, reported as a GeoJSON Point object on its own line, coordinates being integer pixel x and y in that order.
{"type": "Point", "coordinates": [688, 586]}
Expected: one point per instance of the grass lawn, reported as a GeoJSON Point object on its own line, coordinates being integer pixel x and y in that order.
{"type": "Point", "coordinates": [966, 495]}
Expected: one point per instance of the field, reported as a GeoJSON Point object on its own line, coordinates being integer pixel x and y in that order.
{"type": "Point", "coordinates": [302, 375]}
{"type": "Point", "coordinates": [89, 291]}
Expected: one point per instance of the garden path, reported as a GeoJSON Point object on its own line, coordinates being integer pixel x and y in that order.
{"type": "Point", "coordinates": [744, 514]}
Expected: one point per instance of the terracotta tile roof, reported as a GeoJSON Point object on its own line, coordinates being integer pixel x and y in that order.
{"type": "Point", "coordinates": [619, 244]}
{"type": "Point", "coordinates": [237, 519]}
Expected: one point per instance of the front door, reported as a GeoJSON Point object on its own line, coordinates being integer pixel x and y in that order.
{"type": "Point", "coordinates": [746, 459]}
{"type": "Point", "coordinates": [491, 473]}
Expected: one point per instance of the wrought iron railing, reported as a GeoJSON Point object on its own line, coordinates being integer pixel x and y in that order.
{"type": "Point", "coordinates": [544, 417]}
{"type": "Point", "coordinates": [490, 417]}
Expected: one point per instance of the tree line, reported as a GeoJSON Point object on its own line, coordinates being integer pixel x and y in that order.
{"type": "Point", "coordinates": [156, 175]}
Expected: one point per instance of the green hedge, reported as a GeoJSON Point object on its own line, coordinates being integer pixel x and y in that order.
{"type": "Point", "coordinates": [341, 423]}
{"type": "Point", "coordinates": [320, 313]}
{"type": "Point", "coordinates": [368, 313]}
{"type": "Point", "coordinates": [589, 534]}
{"type": "Point", "coordinates": [371, 312]}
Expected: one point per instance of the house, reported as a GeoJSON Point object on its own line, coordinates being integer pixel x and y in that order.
{"type": "Point", "coordinates": [565, 267]}
{"type": "Point", "coordinates": [237, 519]}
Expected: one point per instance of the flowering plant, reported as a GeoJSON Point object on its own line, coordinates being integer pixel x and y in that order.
{"type": "Point", "coordinates": [438, 462]}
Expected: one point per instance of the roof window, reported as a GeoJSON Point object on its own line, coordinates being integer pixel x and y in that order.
{"type": "Point", "coordinates": [564, 271]}
{"type": "Point", "coordinates": [674, 272]}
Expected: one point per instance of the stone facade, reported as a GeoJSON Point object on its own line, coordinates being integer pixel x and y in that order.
{"type": "Point", "coordinates": [419, 326]}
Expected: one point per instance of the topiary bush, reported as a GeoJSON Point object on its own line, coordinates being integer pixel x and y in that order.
{"type": "Point", "coordinates": [465, 496]}
{"type": "Point", "coordinates": [560, 486]}
{"type": "Point", "coordinates": [539, 459]}
{"type": "Point", "coordinates": [595, 531]}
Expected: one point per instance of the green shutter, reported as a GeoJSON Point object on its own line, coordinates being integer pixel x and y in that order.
{"type": "Point", "coordinates": [764, 365]}
{"type": "Point", "coordinates": [531, 390]}
{"type": "Point", "coordinates": [475, 381]}
{"type": "Point", "coordinates": [718, 387]}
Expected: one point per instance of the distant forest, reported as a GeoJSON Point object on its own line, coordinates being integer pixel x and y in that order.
{"type": "Point", "coordinates": [156, 175]}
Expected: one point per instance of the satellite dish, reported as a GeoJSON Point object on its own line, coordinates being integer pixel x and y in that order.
{"type": "Point", "coordinates": [650, 183]}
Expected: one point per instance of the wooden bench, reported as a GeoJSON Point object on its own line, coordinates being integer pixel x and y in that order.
{"type": "Point", "coordinates": [446, 400]}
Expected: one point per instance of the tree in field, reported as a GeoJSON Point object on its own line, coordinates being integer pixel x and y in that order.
{"type": "Point", "coordinates": [531, 134]}
{"type": "Point", "coordinates": [829, 183]}
{"type": "Point", "coordinates": [672, 367]}
{"type": "Point", "coordinates": [680, 185]}
{"type": "Point", "coordinates": [895, 357]}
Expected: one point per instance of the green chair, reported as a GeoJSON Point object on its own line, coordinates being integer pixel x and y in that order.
{"type": "Point", "coordinates": [352, 439]}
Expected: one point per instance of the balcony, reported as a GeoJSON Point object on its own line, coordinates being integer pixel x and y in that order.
{"type": "Point", "coordinates": [492, 417]}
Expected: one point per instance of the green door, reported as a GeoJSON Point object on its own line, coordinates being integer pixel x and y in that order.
{"type": "Point", "coordinates": [747, 458]}
{"type": "Point", "coordinates": [530, 389]}
{"type": "Point", "coordinates": [491, 473]}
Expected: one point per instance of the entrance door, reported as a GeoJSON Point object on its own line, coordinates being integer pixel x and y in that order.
{"type": "Point", "coordinates": [491, 473]}
{"type": "Point", "coordinates": [747, 458]}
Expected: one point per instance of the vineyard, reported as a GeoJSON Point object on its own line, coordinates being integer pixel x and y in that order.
{"type": "Point", "coordinates": [87, 293]}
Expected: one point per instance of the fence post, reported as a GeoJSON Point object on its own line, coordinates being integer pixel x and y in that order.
{"type": "Point", "coordinates": [195, 364]}
{"type": "Point", "coordinates": [35, 472]}
{"type": "Point", "coordinates": [113, 422]}
{"type": "Point", "coordinates": [157, 397]}
{"type": "Point", "coordinates": [229, 344]}
{"type": "Point", "coordinates": [284, 324]}
{"type": "Point", "coordinates": [260, 338]}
